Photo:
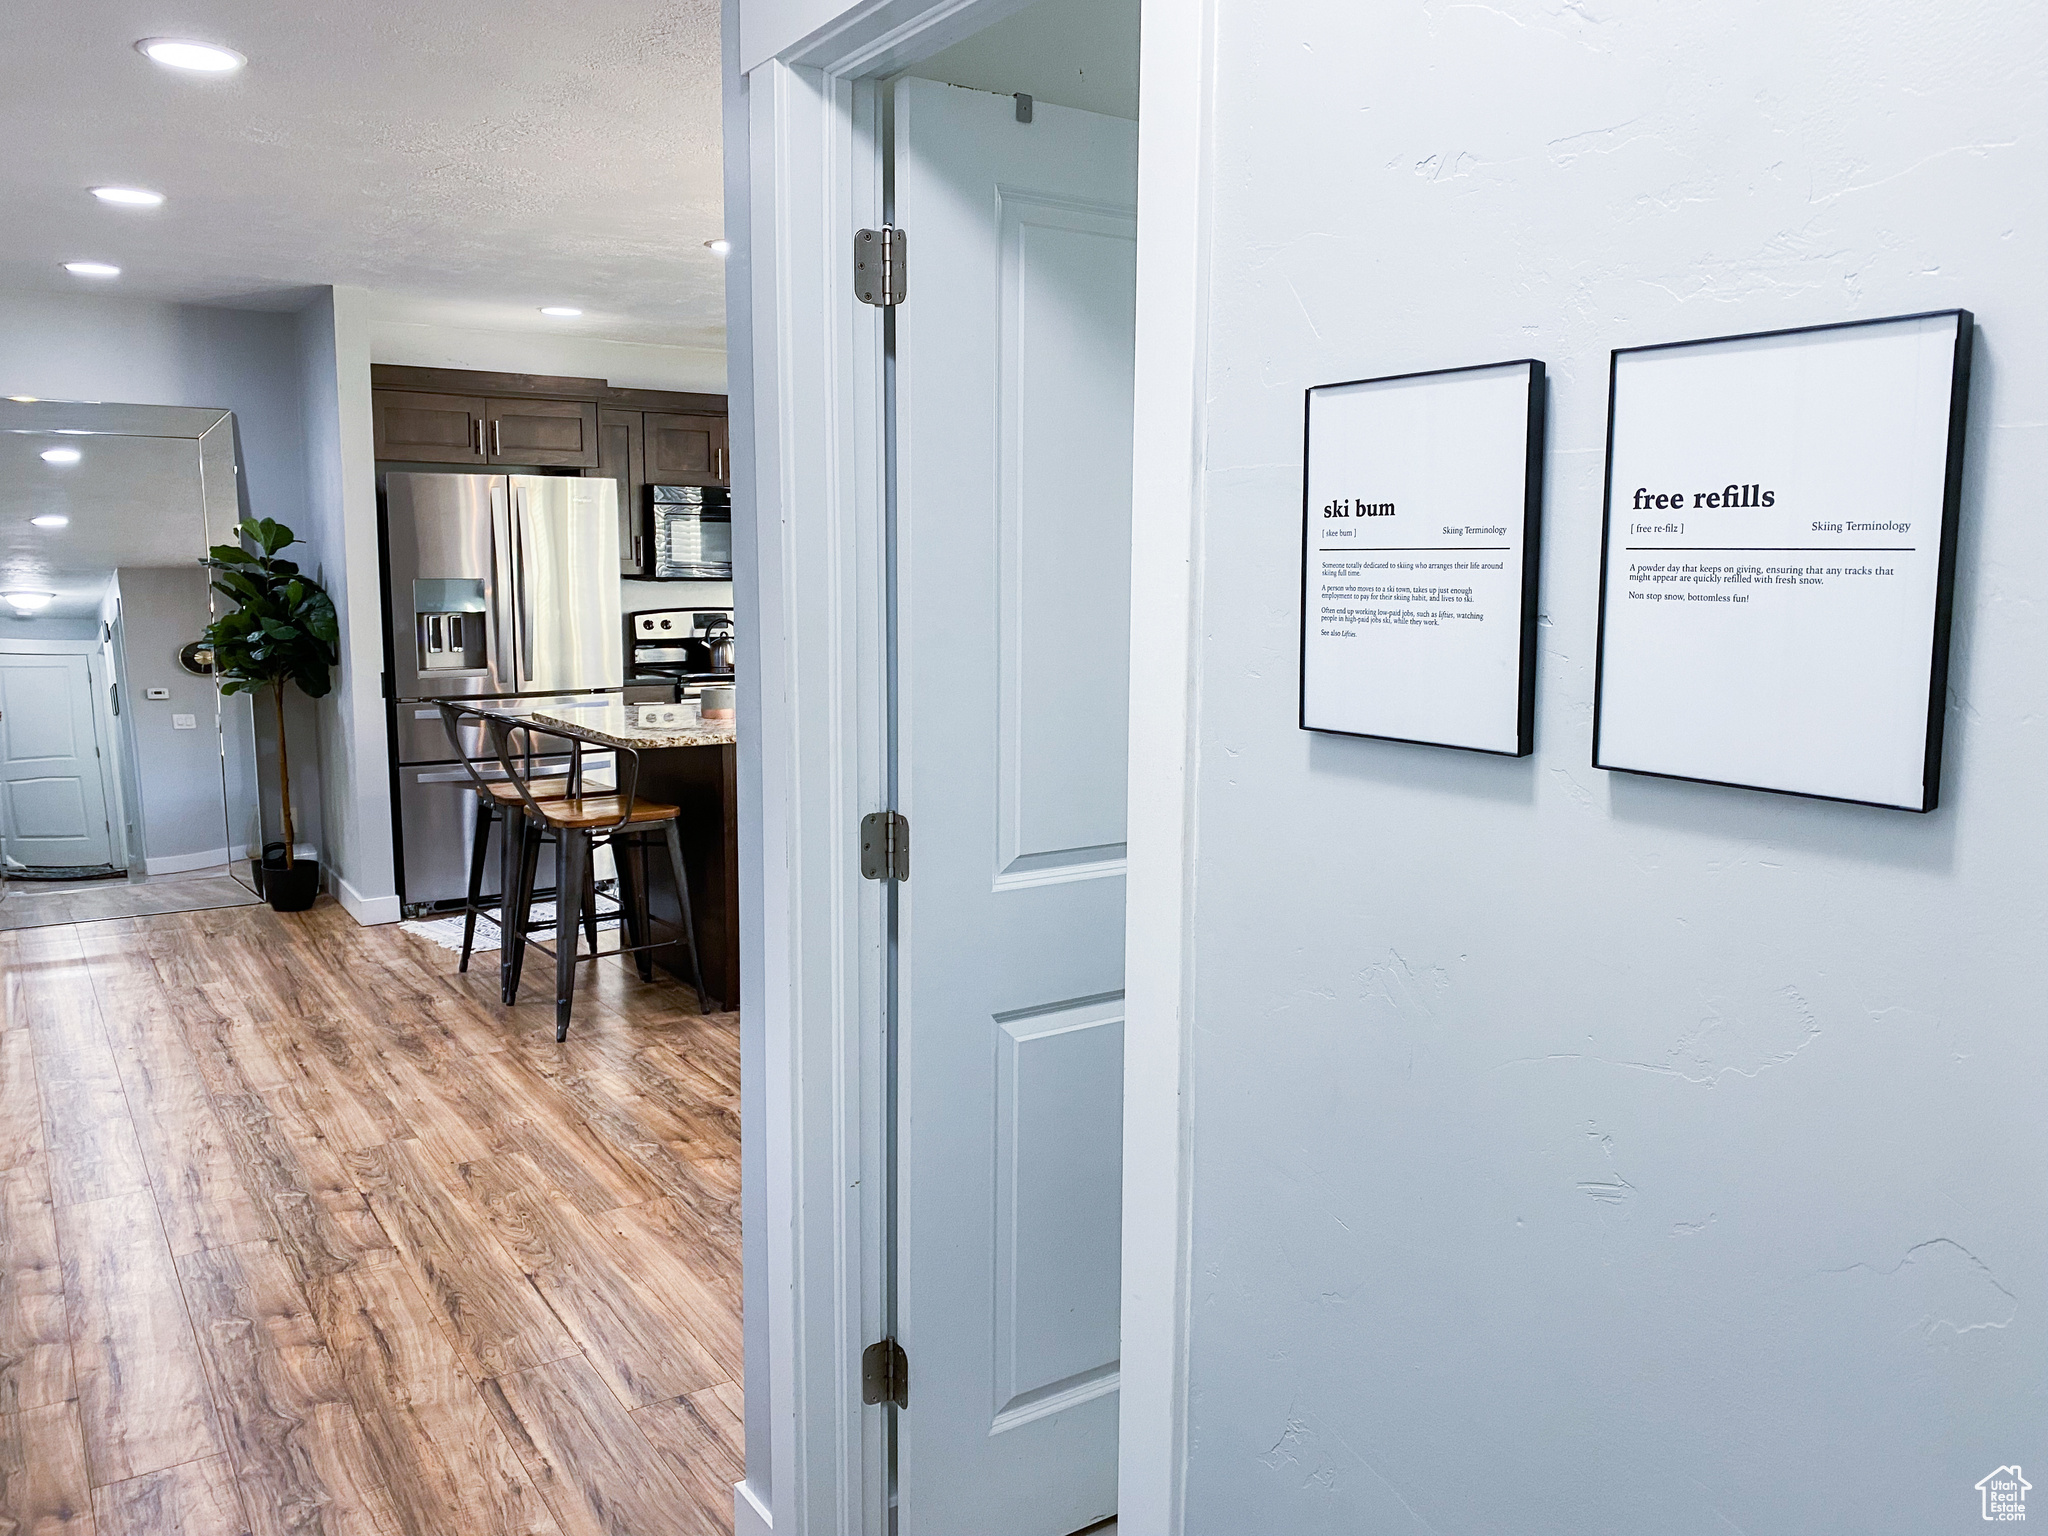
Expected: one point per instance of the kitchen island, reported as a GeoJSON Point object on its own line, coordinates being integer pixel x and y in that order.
{"type": "Point", "coordinates": [691, 768]}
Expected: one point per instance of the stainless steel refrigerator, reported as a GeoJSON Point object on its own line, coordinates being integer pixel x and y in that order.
{"type": "Point", "coordinates": [500, 587]}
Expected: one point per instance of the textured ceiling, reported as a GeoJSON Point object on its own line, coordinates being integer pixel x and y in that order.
{"type": "Point", "coordinates": [470, 161]}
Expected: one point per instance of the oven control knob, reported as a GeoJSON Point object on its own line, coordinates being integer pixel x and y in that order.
{"type": "Point", "coordinates": [664, 624]}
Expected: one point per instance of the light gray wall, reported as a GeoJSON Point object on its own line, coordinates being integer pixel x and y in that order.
{"type": "Point", "coordinates": [355, 787]}
{"type": "Point", "coordinates": [139, 351]}
{"type": "Point", "coordinates": [1575, 1152]}
{"type": "Point", "coordinates": [626, 364]}
{"type": "Point", "coordinates": [179, 773]}
{"type": "Point", "coordinates": [143, 352]}
{"type": "Point", "coordinates": [15, 628]}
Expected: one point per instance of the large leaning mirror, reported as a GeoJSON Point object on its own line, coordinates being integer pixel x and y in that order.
{"type": "Point", "coordinates": [127, 782]}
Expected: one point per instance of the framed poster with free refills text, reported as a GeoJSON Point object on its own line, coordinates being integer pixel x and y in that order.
{"type": "Point", "coordinates": [1778, 558]}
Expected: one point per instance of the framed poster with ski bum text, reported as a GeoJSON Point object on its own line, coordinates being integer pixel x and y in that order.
{"type": "Point", "coordinates": [1422, 511]}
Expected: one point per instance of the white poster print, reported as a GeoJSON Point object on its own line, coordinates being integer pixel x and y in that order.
{"type": "Point", "coordinates": [1775, 526]}
{"type": "Point", "coordinates": [1417, 510]}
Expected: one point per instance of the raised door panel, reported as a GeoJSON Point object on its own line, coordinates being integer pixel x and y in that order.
{"type": "Point", "coordinates": [1058, 1183]}
{"type": "Point", "coordinates": [621, 461]}
{"type": "Point", "coordinates": [546, 433]}
{"type": "Point", "coordinates": [685, 450]}
{"type": "Point", "coordinates": [429, 429]}
{"type": "Point", "coordinates": [1064, 508]}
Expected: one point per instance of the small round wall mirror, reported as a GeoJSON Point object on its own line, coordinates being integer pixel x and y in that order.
{"type": "Point", "coordinates": [197, 658]}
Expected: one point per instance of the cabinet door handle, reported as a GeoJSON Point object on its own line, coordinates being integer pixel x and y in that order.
{"type": "Point", "coordinates": [479, 437]}
{"type": "Point", "coordinates": [719, 459]}
{"type": "Point", "coordinates": [497, 440]}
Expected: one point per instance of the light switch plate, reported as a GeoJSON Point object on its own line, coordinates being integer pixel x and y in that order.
{"type": "Point", "coordinates": [184, 722]}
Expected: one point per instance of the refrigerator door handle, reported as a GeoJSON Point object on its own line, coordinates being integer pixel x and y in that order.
{"type": "Point", "coordinates": [523, 615]}
{"type": "Point", "coordinates": [504, 628]}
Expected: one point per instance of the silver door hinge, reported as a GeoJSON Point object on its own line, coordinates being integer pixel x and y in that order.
{"type": "Point", "coordinates": [881, 272]}
{"type": "Point", "coordinates": [885, 846]}
{"type": "Point", "coordinates": [885, 1374]}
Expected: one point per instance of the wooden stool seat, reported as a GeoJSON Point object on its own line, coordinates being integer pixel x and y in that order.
{"type": "Point", "coordinates": [578, 824]}
{"type": "Point", "coordinates": [602, 811]}
{"type": "Point", "coordinates": [541, 789]}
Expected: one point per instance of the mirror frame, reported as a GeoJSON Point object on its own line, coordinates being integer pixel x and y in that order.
{"type": "Point", "coordinates": [221, 506]}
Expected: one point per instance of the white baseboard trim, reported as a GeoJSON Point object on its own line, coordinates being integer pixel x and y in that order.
{"type": "Point", "coordinates": [367, 910]}
{"type": "Point", "coordinates": [749, 1516]}
{"type": "Point", "coordinates": [178, 863]}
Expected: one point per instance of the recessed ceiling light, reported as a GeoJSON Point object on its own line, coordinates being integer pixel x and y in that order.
{"type": "Point", "coordinates": [181, 53]}
{"type": "Point", "coordinates": [92, 269]}
{"type": "Point", "coordinates": [30, 602]}
{"type": "Point", "coordinates": [560, 311]}
{"type": "Point", "coordinates": [129, 197]}
{"type": "Point", "coordinates": [51, 520]}
{"type": "Point", "coordinates": [61, 455]}
{"type": "Point", "coordinates": [718, 247]}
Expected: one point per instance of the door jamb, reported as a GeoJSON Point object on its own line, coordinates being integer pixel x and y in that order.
{"type": "Point", "coordinates": [812, 456]}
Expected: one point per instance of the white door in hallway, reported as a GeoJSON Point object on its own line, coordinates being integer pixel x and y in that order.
{"type": "Point", "coordinates": [1013, 440]}
{"type": "Point", "coordinates": [53, 804]}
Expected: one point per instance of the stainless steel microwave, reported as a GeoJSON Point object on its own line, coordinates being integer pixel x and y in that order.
{"type": "Point", "coordinates": [691, 533]}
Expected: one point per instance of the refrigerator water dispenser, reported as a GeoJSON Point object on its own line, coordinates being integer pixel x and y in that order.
{"type": "Point", "coordinates": [448, 618]}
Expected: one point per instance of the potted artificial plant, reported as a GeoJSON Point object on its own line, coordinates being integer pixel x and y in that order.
{"type": "Point", "coordinates": [281, 630]}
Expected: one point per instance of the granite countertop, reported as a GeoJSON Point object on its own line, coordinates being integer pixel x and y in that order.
{"type": "Point", "coordinates": [612, 724]}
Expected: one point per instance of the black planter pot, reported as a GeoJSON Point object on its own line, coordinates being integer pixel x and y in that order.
{"type": "Point", "coordinates": [273, 857]}
{"type": "Point", "coordinates": [291, 889]}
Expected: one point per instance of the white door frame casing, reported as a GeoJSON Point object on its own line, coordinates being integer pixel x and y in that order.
{"type": "Point", "coordinates": [813, 456]}
{"type": "Point", "coordinates": [1177, 72]}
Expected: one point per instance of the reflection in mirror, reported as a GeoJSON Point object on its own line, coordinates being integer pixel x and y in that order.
{"type": "Point", "coordinates": [127, 783]}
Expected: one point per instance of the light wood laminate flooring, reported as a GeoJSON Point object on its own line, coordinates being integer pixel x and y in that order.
{"type": "Point", "coordinates": [39, 903]}
{"type": "Point", "coordinates": [301, 1232]}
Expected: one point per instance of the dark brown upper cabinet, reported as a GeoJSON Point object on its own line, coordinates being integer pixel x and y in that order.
{"type": "Point", "coordinates": [620, 460]}
{"type": "Point", "coordinates": [430, 429]}
{"type": "Point", "coordinates": [686, 450]}
{"type": "Point", "coordinates": [545, 433]}
{"type": "Point", "coordinates": [633, 437]}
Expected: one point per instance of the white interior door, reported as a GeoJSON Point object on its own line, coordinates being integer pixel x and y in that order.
{"type": "Point", "coordinates": [51, 789]}
{"type": "Point", "coordinates": [1013, 438]}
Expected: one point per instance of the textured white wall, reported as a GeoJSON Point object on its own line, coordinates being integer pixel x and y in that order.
{"type": "Point", "coordinates": [1574, 1152]}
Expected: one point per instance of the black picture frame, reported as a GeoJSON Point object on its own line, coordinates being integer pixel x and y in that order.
{"type": "Point", "coordinates": [1945, 569]}
{"type": "Point", "coordinates": [1537, 423]}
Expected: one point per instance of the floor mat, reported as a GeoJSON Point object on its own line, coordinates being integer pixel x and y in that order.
{"type": "Point", "coordinates": [447, 931]}
{"type": "Point", "coordinates": [27, 873]}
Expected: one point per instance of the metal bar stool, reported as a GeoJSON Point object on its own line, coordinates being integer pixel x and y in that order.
{"type": "Point", "coordinates": [579, 822]}
{"type": "Point", "coordinates": [496, 801]}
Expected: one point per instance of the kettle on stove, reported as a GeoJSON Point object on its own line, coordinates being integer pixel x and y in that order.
{"type": "Point", "coordinates": [718, 645]}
